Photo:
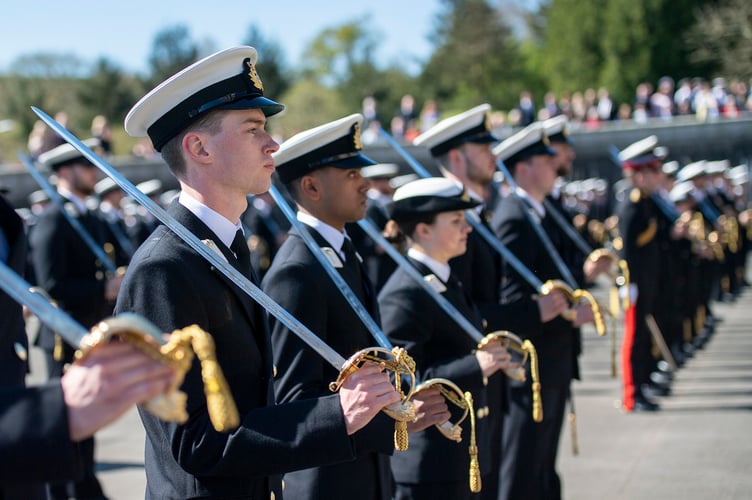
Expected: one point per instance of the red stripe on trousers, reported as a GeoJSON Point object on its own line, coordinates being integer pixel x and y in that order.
{"type": "Point", "coordinates": [626, 358]}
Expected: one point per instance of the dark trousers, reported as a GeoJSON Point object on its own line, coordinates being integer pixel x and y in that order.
{"type": "Point", "coordinates": [528, 463]}
{"type": "Point", "coordinates": [88, 486]}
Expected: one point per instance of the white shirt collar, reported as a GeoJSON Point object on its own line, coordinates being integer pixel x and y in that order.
{"type": "Point", "coordinates": [78, 202]}
{"type": "Point", "coordinates": [538, 207]}
{"type": "Point", "coordinates": [332, 236]}
{"type": "Point", "coordinates": [442, 271]}
{"type": "Point", "coordinates": [218, 223]}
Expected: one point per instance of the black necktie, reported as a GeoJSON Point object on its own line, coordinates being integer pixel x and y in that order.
{"type": "Point", "coordinates": [240, 248]}
{"type": "Point", "coordinates": [353, 266]}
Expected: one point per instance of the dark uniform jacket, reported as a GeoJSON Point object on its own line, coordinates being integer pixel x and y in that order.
{"type": "Point", "coordinates": [554, 340]}
{"type": "Point", "coordinates": [298, 282]}
{"type": "Point", "coordinates": [174, 287]}
{"type": "Point", "coordinates": [639, 226]}
{"type": "Point", "coordinates": [68, 270]}
{"type": "Point", "coordinates": [18, 413]}
{"type": "Point", "coordinates": [442, 349]}
{"type": "Point", "coordinates": [34, 444]}
{"type": "Point", "coordinates": [12, 327]}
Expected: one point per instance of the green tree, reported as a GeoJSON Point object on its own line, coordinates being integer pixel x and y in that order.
{"type": "Point", "coordinates": [271, 63]}
{"type": "Point", "coordinates": [108, 91]}
{"type": "Point", "coordinates": [573, 53]}
{"type": "Point", "coordinates": [721, 40]}
{"type": "Point", "coordinates": [476, 57]}
{"type": "Point", "coordinates": [172, 50]}
{"type": "Point", "coordinates": [308, 104]}
{"type": "Point", "coordinates": [626, 48]}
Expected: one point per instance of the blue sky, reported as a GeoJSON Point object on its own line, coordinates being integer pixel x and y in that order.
{"type": "Point", "coordinates": [123, 30]}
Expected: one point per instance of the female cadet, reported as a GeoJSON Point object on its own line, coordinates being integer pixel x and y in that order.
{"type": "Point", "coordinates": [430, 212]}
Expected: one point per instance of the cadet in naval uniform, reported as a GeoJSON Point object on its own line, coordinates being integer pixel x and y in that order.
{"type": "Point", "coordinates": [321, 170]}
{"type": "Point", "coordinates": [530, 448]}
{"type": "Point", "coordinates": [461, 145]}
{"type": "Point", "coordinates": [208, 121]}
{"type": "Point", "coordinates": [639, 228]}
{"type": "Point", "coordinates": [430, 213]}
{"type": "Point", "coordinates": [67, 269]}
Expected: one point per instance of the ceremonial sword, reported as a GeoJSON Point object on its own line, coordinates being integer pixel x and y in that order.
{"type": "Point", "coordinates": [542, 236]}
{"type": "Point", "coordinates": [344, 366]}
{"type": "Point", "coordinates": [448, 429]}
{"type": "Point", "coordinates": [474, 220]}
{"type": "Point", "coordinates": [139, 332]}
{"type": "Point", "coordinates": [507, 339]}
{"type": "Point", "coordinates": [55, 197]}
{"type": "Point", "coordinates": [337, 278]}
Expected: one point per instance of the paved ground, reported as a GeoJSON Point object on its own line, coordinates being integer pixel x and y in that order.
{"type": "Point", "coordinates": [695, 448]}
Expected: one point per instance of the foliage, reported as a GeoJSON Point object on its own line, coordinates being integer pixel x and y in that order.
{"type": "Point", "coordinates": [476, 59]}
{"type": "Point", "coordinates": [271, 62]}
{"type": "Point", "coordinates": [308, 104]}
{"type": "Point", "coordinates": [722, 38]}
{"type": "Point", "coordinates": [172, 50]}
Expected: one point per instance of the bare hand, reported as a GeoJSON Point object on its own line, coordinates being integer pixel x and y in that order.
{"type": "Point", "coordinates": [363, 394]}
{"type": "Point", "coordinates": [107, 382]}
{"type": "Point", "coordinates": [112, 287]}
{"type": "Point", "coordinates": [552, 305]}
{"type": "Point", "coordinates": [492, 357]}
{"type": "Point", "coordinates": [430, 409]}
{"type": "Point", "coordinates": [584, 315]}
{"type": "Point", "coordinates": [594, 269]}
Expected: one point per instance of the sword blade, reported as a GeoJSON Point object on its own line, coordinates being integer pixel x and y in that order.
{"type": "Point", "coordinates": [55, 198]}
{"type": "Point", "coordinates": [306, 335]}
{"type": "Point", "coordinates": [540, 232]}
{"type": "Point", "coordinates": [370, 229]}
{"type": "Point", "coordinates": [333, 274]}
{"type": "Point", "coordinates": [475, 222]}
{"type": "Point", "coordinates": [59, 321]}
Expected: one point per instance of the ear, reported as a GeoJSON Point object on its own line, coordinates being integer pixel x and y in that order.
{"type": "Point", "coordinates": [457, 160]}
{"type": "Point", "coordinates": [193, 146]}
{"type": "Point", "coordinates": [422, 230]}
{"type": "Point", "coordinates": [310, 187]}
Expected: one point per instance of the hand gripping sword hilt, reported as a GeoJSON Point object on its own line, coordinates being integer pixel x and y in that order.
{"type": "Point", "coordinates": [400, 363]}
{"type": "Point", "coordinates": [575, 297]}
{"type": "Point", "coordinates": [526, 348]}
{"type": "Point", "coordinates": [453, 431]}
{"type": "Point", "coordinates": [177, 353]}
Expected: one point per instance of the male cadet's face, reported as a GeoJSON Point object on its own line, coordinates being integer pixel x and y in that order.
{"type": "Point", "coordinates": [343, 198]}
{"type": "Point", "coordinates": [544, 167]}
{"type": "Point", "coordinates": [564, 158]}
{"type": "Point", "coordinates": [480, 163]}
{"type": "Point", "coordinates": [243, 152]}
{"type": "Point", "coordinates": [83, 179]}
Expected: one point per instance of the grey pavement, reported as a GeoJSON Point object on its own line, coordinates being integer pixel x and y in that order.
{"type": "Point", "coordinates": [695, 448]}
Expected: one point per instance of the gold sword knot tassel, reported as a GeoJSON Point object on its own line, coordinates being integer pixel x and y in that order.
{"type": "Point", "coordinates": [177, 353]}
{"type": "Point", "coordinates": [399, 363]}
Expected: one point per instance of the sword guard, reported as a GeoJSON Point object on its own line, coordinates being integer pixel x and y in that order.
{"type": "Point", "coordinates": [399, 363]}
{"type": "Point", "coordinates": [177, 353]}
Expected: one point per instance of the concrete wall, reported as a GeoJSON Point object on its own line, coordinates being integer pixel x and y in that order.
{"type": "Point", "coordinates": [686, 139]}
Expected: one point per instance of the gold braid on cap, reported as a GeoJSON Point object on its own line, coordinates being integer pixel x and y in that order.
{"type": "Point", "coordinates": [398, 362]}
{"type": "Point", "coordinates": [463, 400]}
{"type": "Point", "coordinates": [512, 342]}
{"type": "Point", "coordinates": [176, 353]}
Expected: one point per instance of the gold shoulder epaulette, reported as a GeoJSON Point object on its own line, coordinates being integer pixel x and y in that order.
{"type": "Point", "coordinates": [647, 235]}
{"type": "Point", "coordinates": [635, 195]}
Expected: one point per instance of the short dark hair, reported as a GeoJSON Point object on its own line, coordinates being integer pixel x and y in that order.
{"type": "Point", "coordinates": [172, 152]}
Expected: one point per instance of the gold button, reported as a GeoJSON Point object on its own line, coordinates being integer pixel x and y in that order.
{"type": "Point", "coordinates": [485, 323]}
{"type": "Point", "coordinates": [272, 496]}
{"type": "Point", "coordinates": [274, 371]}
{"type": "Point", "coordinates": [283, 485]}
